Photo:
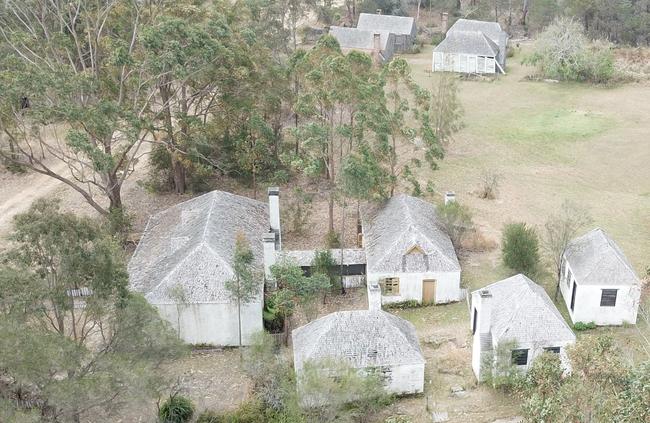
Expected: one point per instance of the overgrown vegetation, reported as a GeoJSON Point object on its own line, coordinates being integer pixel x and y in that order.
{"type": "Point", "coordinates": [520, 248]}
{"type": "Point", "coordinates": [563, 52]}
{"type": "Point", "coordinates": [176, 409]}
{"type": "Point", "coordinates": [456, 220]}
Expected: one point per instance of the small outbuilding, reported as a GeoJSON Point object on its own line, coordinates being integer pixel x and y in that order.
{"type": "Point", "coordinates": [515, 320]}
{"type": "Point", "coordinates": [378, 44]}
{"type": "Point", "coordinates": [597, 281]}
{"type": "Point", "coordinates": [403, 28]}
{"type": "Point", "coordinates": [472, 46]}
{"type": "Point", "coordinates": [368, 341]}
{"type": "Point", "coordinates": [407, 254]}
{"type": "Point", "coordinates": [185, 258]}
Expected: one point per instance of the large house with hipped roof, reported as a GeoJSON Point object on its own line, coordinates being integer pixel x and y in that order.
{"type": "Point", "coordinates": [515, 320]}
{"type": "Point", "coordinates": [597, 281]}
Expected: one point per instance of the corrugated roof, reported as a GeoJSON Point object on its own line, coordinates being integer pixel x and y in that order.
{"type": "Point", "coordinates": [523, 312]}
{"type": "Point", "coordinates": [596, 259]}
{"type": "Point", "coordinates": [304, 258]}
{"type": "Point", "coordinates": [192, 244]}
{"type": "Point", "coordinates": [360, 338]}
{"type": "Point", "coordinates": [390, 23]}
{"type": "Point", "coordinates": [468, 42]}
{"type": "Point", "coordinates": [392, 230]}
{"type": "Point", "coordinates": [359, 38]}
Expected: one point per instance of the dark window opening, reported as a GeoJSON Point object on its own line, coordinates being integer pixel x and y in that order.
{"type": "Point", "coordinates": [555, 350]}
{"type": "Point", "coordinates": [608, 298]}
{"type": "Point", "coordinates": [520, 357]}
{"type": "Point", "coordinates": [474, 322]}
{"type": "Point", "coordinates": [573, 296]}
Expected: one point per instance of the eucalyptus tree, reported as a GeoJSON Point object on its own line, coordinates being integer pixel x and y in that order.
{"type": "Point", "coordinates": [75, 342]}
{"type": "Point", "coordinates": [76, 94]}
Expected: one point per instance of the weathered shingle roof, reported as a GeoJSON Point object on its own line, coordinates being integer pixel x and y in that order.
{"type": "Point", "coordinates": [468, 42]}
{"type": "Point", "coordinates": [359, 38]}
{"type": "Point", "coordinates": [491, 29]}
{"type": "Point", "coordinates": [523, 312]}
{"type": "Point", "coordinates": [392, 229]}
{"type": "Point", "coordinates": [390, 23]}
{"type": "Point", "coordinates": [596, 259]}
{"type": "Point", "coordinates": [192, 244]}
{"type": "Point", "coordinates": [361, 338]}
{"type": "Point", "coordinates": [304, 258]}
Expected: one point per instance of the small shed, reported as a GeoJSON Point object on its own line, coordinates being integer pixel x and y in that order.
{"type": "Point", "coordinates": [408, 255]}
{"type": "Point", "coordinates": [185, 257]}
{"type": "Point", "coordinates": [472, 46]}
{"type": "Point", "coordinates": [379, 44]}
{"type": "Point", "coordinates": [517, 314]}
{"type": "Point", "coordinates": [402, 27]}
{"type": "Point", "coordinates": [597, 281]}
{"type": "Point", "coordinates": [369, 341]}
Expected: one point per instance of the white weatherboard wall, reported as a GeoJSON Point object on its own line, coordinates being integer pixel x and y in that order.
{"type": "Point", "coordinates": [406, 379]}
{"type": "Point", "coordinates": [213, 323]}
{"type": "Point", "coordinates": [410, 286]}
{"type": "Point", "coordinates": [464, 63]}
{"type": "Point", "coordinates": [587, 302]}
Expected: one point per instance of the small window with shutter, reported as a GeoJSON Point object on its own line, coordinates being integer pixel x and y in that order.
{"type": "Point", "coordinates": [608, 298]}
{"type": "Point", "coordinates": [555, 350]}
{"type": "Point", "coordinates": [390, 286]}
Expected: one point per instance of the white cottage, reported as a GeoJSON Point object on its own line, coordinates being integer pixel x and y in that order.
{"type": "Point", "coordinates": [369, 341]}
{"type": "Point", "coordinates": [185, 257]}
{"type": "Point", "coordinates": [408, 255]}
{"type": "Point", "coordinates": [472, 46]}
{"type": "Point", "coordinates": [519, 314]}
{"type": "Point", "coordinates": [597, 282]}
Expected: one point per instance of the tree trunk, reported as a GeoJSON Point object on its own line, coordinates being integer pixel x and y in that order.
{"type": "Point", "coordinates": [113, 189]}
{"type": "Point", "coordinates": [178, 171]}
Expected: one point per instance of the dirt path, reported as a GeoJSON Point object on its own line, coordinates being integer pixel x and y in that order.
{"type": "Point", "coordinates": [17, 192]}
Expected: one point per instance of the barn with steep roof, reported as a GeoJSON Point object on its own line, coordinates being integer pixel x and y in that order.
{"type": "Point", "coordinates": [598, 283]}
{"type": "Point", "coordinates": [472, 46]}
{"type": "Point", "coordinates": [515, 320]}
{"type": "Point", "coordinates": [408, 255]}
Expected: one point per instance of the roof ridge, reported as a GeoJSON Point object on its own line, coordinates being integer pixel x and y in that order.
{"type": "Point", "coordinates": [208, 216]}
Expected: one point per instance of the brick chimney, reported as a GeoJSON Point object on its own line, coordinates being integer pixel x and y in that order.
{"type": "Point", "coordinates": [374, 296]}
{"type": "Point", "coordinates": [379, 11]}
{"type": "Point", "coordinates": [274, 215]}
{"type": "Point", "coordinates": [444, 18]}
{"type": "Point", "coordinates": [449, 197]}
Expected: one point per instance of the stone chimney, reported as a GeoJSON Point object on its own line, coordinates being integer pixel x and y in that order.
{"type": "Point", "coordinates": [379, 11]}
{"type": "Point", "coordinates": [484, 312]}
{"type": "Point", "coordinates": [374, 296]}
{"type": "Point", "coordinates": [270, 255]}
{"type": "Point", "coordinates": [444, 18]}
{"type": "Point", "coordinates": [449, 197]}
{"type": "Point", "coordinates": [274, 215]}
{"type": "Point", "coordinates": [376, 47]}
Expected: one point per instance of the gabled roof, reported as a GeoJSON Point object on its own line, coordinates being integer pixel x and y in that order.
{"type": "Point", "coordinates": [491, 29]}
{"type": "Point", "coordinates": [191, 246]}
{"type": "Point", "coordinates": [468, 42]}
{"type": "Point", "coordinates": [596, 259]}
{"type": "Point", "coordinates": [359, 38]}
{"type": "Point", "coordinates": [391, 230]}
{"type": "Point", "coordinates": [360, 338]}
{"type": "Point", "coordinates": [390, 23]}
{"type": "Point", "coordinates": [523, 312]}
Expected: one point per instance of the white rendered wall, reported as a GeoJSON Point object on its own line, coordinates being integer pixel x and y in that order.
{"type": "Point", "coordinates": [410, 286]}
{"type": "Point", "coordinates": [213, 323]}
{"type": "Point", "coordinates": [587, 303]}
{"type": "Point", "coordinates": [406, 379]}
{"type": "Point", "coordinates": [464, 63]}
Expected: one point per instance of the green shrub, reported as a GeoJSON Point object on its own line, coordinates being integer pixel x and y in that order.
{"type": "Point", "coordinates": [437, 38]}
{"type": "Point", "coordinates": [177, 409]}
{"type": "Point", "coordinates": [520, 248]}
{"type": "Point", "coordinates": [401, 305]}
{"type": "Point", "coordinates": [581, 326]}
{"type": "Point", "coordinates": [332, 240]}
{"type": "Point", "coordinates": [248, 412]}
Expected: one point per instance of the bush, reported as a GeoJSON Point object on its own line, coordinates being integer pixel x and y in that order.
{"type": "Point", "coordinates": [177, 409]}
{"type": "Point", "coordinates": [332, 240]}
{"type": "Point", "coordinates": [520, 248]}
{"type": "Point", "coordinates": [437, 38]}
{"type": "Point", "coordinates": [581, 326]}
{"type": "Point", "coordinates": [563, 52]}
{"type": "Point", "coordinates": [456, 220]}
{"type": "Point", "coordinates": [248, 412]}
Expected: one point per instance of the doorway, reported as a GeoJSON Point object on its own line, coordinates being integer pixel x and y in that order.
{"type": "Point", "coordinates": [429, 291]}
